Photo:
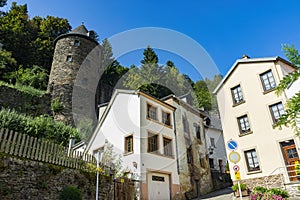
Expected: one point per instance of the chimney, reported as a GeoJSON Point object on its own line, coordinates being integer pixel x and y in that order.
{"type": "Point", "coordinates": [245, 56]}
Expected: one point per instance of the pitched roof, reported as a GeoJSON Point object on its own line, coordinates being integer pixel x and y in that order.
{"type": "Point", "coordinates": [110, 104]}
{"type": "Point", "coordinates": [80, 30]}
{"type": "Point", "coordinates": [249, 60]}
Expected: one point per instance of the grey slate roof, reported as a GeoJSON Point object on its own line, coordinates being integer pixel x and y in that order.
{"type": "Point", "coordinates": [82, 30]}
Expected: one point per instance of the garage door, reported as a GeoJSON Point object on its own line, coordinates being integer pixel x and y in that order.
{"type": "Point", "coordinates": [158, 186]}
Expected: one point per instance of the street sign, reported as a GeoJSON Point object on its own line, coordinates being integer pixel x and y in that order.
{"type": "Point", "coordinates": [122, 180]}
{"type": "Point", "coordinates": [234, 157]}
{"type": "Point", "coordinates": [237, 175]}
{"type": "Point", "coordinates": [232, 145]}
{"type": "Point", "coordinates": [236, 168]}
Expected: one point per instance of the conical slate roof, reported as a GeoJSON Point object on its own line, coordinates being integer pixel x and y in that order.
{"type": "Point", "coordinates": [80, 30]}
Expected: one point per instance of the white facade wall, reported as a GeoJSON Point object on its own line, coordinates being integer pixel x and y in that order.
{"type": "Point", "coordinates": [219, 152]}
{"type": "Point", "coordinates": [264, 138]}
{"type": "Point", "coordinates": [122, 119]}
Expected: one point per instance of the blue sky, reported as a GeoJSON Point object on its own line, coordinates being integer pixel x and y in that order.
{"type": "Point", "coordinates": [225, 29]}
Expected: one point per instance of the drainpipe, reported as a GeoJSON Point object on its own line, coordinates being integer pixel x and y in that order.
{"type": "Point", "coordinates": [176, 146]}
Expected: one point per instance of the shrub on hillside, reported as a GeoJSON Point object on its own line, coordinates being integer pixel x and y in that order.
{"type": "Point", "coordinates": [41, 127]}
{"type": "Point", "coordinates": [70, 193]}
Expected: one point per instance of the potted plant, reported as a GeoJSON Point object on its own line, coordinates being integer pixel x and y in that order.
{"type": "Point", "coordinates": [244, 189]}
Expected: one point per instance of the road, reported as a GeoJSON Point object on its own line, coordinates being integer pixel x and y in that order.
{"type": "Point", "coordinates": [223, 194]}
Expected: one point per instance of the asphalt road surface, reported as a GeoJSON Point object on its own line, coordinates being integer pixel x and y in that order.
{"type": "Point", "coordinates": [224, 194]}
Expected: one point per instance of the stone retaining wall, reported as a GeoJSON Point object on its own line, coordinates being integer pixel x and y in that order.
{"type": "Point", "coordinates": [23, 102]}
{"type": "Point", "coordinates": [26, 179]}
{"type": "Point", "coordinates": [266, 181]}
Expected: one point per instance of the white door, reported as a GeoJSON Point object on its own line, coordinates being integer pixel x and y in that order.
{"type": "Point", "coordinates": [158, 186]}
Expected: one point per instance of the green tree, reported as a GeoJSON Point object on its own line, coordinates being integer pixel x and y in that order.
{"type": "Point", "coordinates": [46, 30]}
{"type": "Point", "coordinates": [14, 34]}
{"type": "Point", "coordinates": [203, 95]}
{"type": "Point", "coordinates": [292, 116]}
{"type": "Point", "coordinates": [36, 77]}
{"type": "Point", "coordinates": [113, 70]}
{"type": "Point", "coordinates": [211, 85]}
{"type": "Point", "coordinates": [147, 78]}
{"type": "Point", "coordinates": [8, 65]}
{"type": "Point", "coordinates": [30, 40]}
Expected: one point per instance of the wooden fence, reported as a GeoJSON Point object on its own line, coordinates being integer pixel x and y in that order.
{"type": "Point", "coordinates": [25, 146]}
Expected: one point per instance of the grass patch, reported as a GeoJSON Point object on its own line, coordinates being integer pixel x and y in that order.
{"type": "Point", "coordinates": [25, 89]}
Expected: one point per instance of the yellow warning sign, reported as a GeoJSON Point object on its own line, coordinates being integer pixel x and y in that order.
{"type": "Point", "coordinates": [122, 180]}
{"type": "Point", "coordinates": [237, 175]}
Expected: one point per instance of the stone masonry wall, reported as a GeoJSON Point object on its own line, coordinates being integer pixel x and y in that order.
{"type": "Point", "coordinates": [26, 179]}
{"type": "Point", "coordinates": [64, 72]}
{"type": "Point", "coordinates": [266, 181]}
{"type": "Point", "coordinates": [23, 102]}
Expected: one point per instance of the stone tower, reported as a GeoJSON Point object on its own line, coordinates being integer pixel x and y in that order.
{"type": "Point", "coordinates": [71, 50]}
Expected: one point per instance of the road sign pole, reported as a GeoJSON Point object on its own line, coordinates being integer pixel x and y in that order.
{"type": "Point", "coordinates": [240, 191]}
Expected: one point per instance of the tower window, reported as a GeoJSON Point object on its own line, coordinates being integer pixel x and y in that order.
{"type": "Point", "coordinates": [69, 58]}
{"type": "Point", "coordinates": [76, 43]}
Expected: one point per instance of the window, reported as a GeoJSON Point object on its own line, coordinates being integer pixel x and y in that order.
{"type": "Point", "coordinates": [151, 112]}
{"type": "Point", "coordinates": [220, 165]}
{"type": "Point", "coordinates": [168, 147]}
{"type": "Point", "coordinates": [244, 125]}
{"type": "Point", "coordinates": [277, 110]}
{"type": "Point", "coordinates": [76, 43]}
{"type": "Point", "coordinates": [267, 80]}
{"type": "Point", "coordinates": [212, 142]}
{"type": "Point", "coordinates": [166, 118]}
{"type": "Point", "coordinates": [69, 58]}
{"type": "Point", "coordinates": [198, 133]}
{"type": "Point", "coordinates": [129, 144]}
{"type": "Point", "coordinates": [189, 155]}
{"type": "Point", "coordinates": [211, 163]}
{"type": "Point", "coordinates": [152, 143]}
{"type": "Point", "coordinates": [158, 178]}
{"type": "Point", "coordinates": [237, 94]}
{"type": "Point", "coordinates": [251, 160]}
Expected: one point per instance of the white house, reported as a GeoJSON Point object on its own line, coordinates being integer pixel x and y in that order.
{"type": "Point", "coordinates": [215, 144]}
{"type": "Point", "coordinates": [141, 128]}
{"type": "Point", "coordinates": [249, 108]}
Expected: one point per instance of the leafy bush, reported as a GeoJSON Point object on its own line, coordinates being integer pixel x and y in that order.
{"type": "Point", "coordinates": [262, 193]}
{"type": "Point", "coordinates": [235, 187]}
{"type": "Point", "coordinates": [35, 76]}
{"type": "Point", "coordinates": [70, 193]}
{"type": "Point", "coordinates": [260, 189]}
{"type": "Point", "coordinates": [41, 127]}
{"type": "Point", "coordinates": [279, 191]}
{"type": "Point", "coordinates": [56, 105]}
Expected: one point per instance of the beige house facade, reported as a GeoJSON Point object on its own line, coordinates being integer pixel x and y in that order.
{"type": "Point", "coordinates": [249, 108]}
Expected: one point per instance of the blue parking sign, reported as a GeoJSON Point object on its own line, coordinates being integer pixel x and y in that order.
{"type": "Point", "coordinates": [232, 145]}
